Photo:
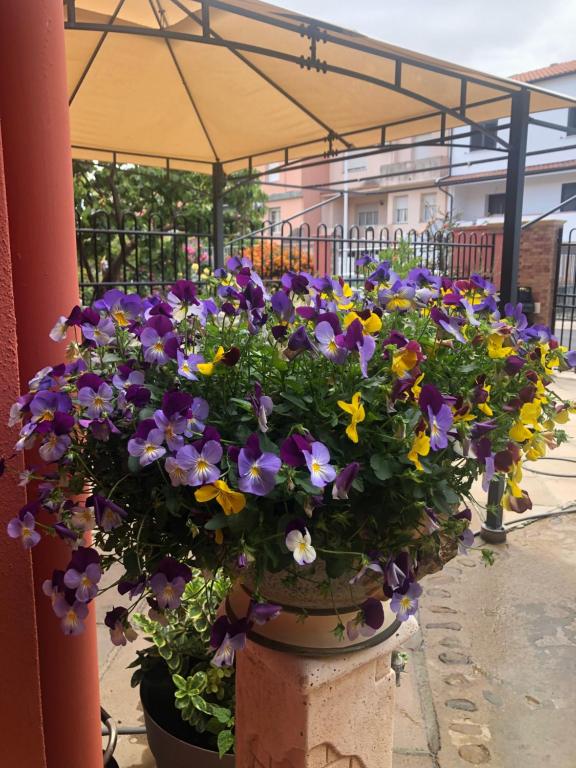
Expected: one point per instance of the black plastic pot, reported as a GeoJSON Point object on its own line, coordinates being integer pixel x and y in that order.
{"type": "Point", "coordinates": [174, 743]}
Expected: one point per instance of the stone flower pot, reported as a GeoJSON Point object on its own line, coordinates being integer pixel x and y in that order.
{"type": "Point", "coordinates": [174, 743]}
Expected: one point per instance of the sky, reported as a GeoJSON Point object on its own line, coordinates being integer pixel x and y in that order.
{"type": "Point", "coordinates": [501, 37]}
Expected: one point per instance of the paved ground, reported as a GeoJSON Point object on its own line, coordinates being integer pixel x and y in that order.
{"type": "Point", "coordinates": [491, 678]}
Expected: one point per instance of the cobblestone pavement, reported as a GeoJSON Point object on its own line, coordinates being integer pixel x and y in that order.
{"type": "Point", "coordinates": [491, 677]}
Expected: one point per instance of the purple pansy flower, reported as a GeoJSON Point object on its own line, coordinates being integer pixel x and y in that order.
{"type": "Point", "coordinates": [169, 581]}
{"type": "Point", "coordinates": [148, 449]}
{"type": "Point", "coordinates": [100, 334]}
{"type": "Point", "coordinates": [158, 340]}
{"type": "Point", "coordinates": [72, 614]}
{"type": "Point", "coordinates": [318, 461]}
{"type": "Point", "coordinates": [97, 403]}
{"type": "Point", "coordinates": [404, 602]}
{"type": "Point", "coordinates": [262, 405]}
{"type": "Point", "coordinates": [23, 527]}
{"type": "Point", "coordinates": [173, 429]}
{"type": "Point", "coordinates": [227, 637]}
{"type": "Point", "coordinates": [188, 365]}
{"type": "Point", "coordinates": [344, 480]}
{"type": "Point", "coordinates": [257, 470]}
{"type": "Point", "coordinates": [117, 622]}
{"type": "Point", "coordinates": [262, 613]}
{"type": "Point", "coordinates": [292, 450]}
{"type": "Point", "coordinates": [83, 574]}
{"type": "Point", "coordinates": [54, 447]}
{"type": "Point", "coordinates": [203, 469]}
{"type": "Point", "coordinates": [328, 346]}
{"type": "Point", "coordinates": [197, 415]}
{"type": "Point", "coordinates": [108, 515]}
{"type": "Point", "coordinates": [439, 415]}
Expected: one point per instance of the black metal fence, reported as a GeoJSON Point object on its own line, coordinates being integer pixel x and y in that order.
{"type": "Point", "coordinates": [147, 254]}
{"type": "Point", "coordinates": [139, 254]}
{"type": "Point", "coordinates": [565, 292]}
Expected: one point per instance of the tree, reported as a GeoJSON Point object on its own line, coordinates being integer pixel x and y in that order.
{"type": "Point", "coordinates": [114, 202]}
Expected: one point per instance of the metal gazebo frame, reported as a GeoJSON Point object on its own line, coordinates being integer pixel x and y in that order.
{"type": "Point", "coordinates": [316, 33]}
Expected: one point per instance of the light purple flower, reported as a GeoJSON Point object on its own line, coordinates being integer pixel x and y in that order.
{"type": "Point", "coordinates": [168, 583]}
{"type": "Point", "coordinates": [173, 429]}
{"type": "Point", "coordinates": [24, 529]}
{"type": "Point", "coordinates": [179, 466]}
{"type": "Point", "coordinates": [257, 470]}
{"type": "Point", "coordinates": [405, 603]}
{"type": "Point", "coordinates": [72, 615]}
{"type": "Point", "coordinates": [439, 423]}
{"type": "Point", "coordinates": [262, 613]}
{"type": "Point", "coordinates": [117, 622]}
{"type": "Point", "coordinates": [326, 339]}
{"type": "Point", "coordinates": [374, 567]}
{"type": "Point", "coordinates": [197, 415]}
{"type": "Point", "coordinates": [318, 462]}
{"type": "Point", "coordinates": [54, 447]}
{"type": "Point", "coordinates": [97, 403]}
{"type": "Point", "coordinates": [83, 574]}
{"type": "Point", "coordinates": [203, 469]}
{"type": "Point", "coordinates": [188, 365]}
{"type": "Point", "coordinates": [148, 449]}
{"type": "Point", "coordinates": [108, 515]}
{"type": "Point", "coordinates": [101, 334]}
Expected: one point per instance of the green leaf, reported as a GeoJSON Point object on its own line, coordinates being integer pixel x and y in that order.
{"type": "Point", "coordinates": [219, 520]}
{"type": "Point", "coordinates": [134, 464]}
{"type": "Point", "coordinates": [244, 404]}
{"type": "Point", "coordinates": [225, 742]}
{"type": "Point", "coordinates": [383, 467]}
{"type": "Point", "coordinates": [297, 401]}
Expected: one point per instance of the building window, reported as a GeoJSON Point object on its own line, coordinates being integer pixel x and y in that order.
{"type": "Point", "coordinates": [571, 124]}
{"type": "Point", "coordinates": [367, 217]}
{"type": "Point", "coordinates": [273, 174]}
{"type": "Point", "coordinates": [479, 140]}
{"type": "Point", "coordinates": [568, 191]}
{"type": "Point", "coordinates": [495, 204]}
{"type": "Point", "coordinates": [274, 217]}
{"type": "Point", "coordinates": [428, 207]}
{"type": "Point", "coordinates": [401, 209]}
{"type": "Point", "coordinates": [356, 168]}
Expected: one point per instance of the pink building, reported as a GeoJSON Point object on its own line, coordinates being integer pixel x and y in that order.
{"type": "Point", "coordinates": [394, 189]}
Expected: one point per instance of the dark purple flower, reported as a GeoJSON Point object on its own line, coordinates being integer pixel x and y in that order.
{"type": "Point", "coordinates": [138, 395]}
{"type": "Point", "coordinates": [373, 613]}
{"type": "Point", "coordinates": [451, 324]}
{"type": "Point", "coordinates": [132, 588]}
{"type": "Point", "coordinates": [299, 340]}
{"type": "Point", "coordinates": [262, 405]}
{"type": "Point", "coordinates": [228, 637]}
{"type": "Point", "coordinates": [262, 613]}
{"type": "Point", "coordinates": [117, 622]}
{"type": "Point", "coordinates": [257, 470]}
{"type": "Point", "coordinates": [513, 364]}
{"type": "Point", "coordinates": [344, 480]}
{"type": "Point", "coordinates": [282, 306]}
{"type": "Point", "coordinates": [108, 514]}
{"type": "Point", "coordinates": [292, 450]}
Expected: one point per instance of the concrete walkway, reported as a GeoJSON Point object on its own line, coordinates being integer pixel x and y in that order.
{"type": "Point", "coordinates": [491, 677]}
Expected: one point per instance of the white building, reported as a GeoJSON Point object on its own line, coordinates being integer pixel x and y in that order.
{"type": "Point", "coordinates": [477, 179]}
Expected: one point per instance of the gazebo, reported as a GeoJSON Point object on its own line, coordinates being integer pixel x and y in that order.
{"type": "Point", "coordinates": [213, 86]}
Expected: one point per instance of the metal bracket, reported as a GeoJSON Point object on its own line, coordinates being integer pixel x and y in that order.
{"type": "Point", "coordinates": [315, 35]}
{"type": "Point", "coordinates": [398, 664]}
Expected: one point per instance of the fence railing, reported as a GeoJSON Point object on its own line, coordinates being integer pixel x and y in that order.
{"type": "Point", "coordinates": [147, 254]}
{"type": "Point", "coordinates": [139, 254]}
{"type": "Point", "coordinates": [565, 293]}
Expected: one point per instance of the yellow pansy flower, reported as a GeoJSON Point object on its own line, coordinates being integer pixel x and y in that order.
{"type": "Point", "coordinates": [484, 407]}
{"type": "Point", "coordinates": [519, 433]}
{"type": "Point", "coordinates": [530, 412]}
{"type": "Point", "coordinates": [231, 501]}
{"type": "Point", "coordinates": [416, 388]}
{"type": "Point", "coordinates": [420, 447]}
{"type": "Point", "coordinates": [371, 325]}
{"type": "Point", "coordinates": [208, 368]}
{"type": "Point", "coordinates": [403, 360]}
{"type": "Point", "coordinates": [357, 414]}
{"type": "Point", "coordinates": [496, 348]}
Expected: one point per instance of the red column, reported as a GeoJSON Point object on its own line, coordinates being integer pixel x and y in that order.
{"type": "Point", "coordinates": [20, 699]}
{"type": "Point", "coordinates": [34, 113]}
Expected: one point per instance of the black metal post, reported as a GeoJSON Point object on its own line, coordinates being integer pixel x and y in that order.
{"type": "Point", "coordinates": [492, 531]}
{"type": "Point", "coordinates": [514, 196]}
{"type": "Point", "coordinates": [218, 184]}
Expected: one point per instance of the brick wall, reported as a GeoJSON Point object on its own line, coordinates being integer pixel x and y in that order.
{"type": "Point", "coordinates": [537, 265]}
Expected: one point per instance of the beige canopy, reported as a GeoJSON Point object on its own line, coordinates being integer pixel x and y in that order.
{"type": "Point", "coordinates": [246, 83]}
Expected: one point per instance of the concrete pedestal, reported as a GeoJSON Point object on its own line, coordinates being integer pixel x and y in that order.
{"type": "Point", "coordinates": [322, 712]}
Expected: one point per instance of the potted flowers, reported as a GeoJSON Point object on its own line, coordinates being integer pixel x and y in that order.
{"type": "Point", "coordinates": [188, 702]}
{"type": "Point", "coordinates": [315, 440]}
